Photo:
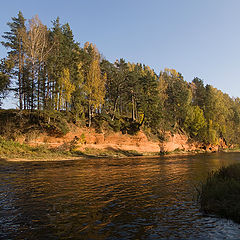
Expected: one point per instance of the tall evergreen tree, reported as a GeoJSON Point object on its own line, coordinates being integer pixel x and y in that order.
{"type": "Point", "coordinates": [6, 67]}
{"type": "Point", "coordinates": [178, 97]}
{"type": "Point", "coordinates": [64, 55]}
{"type": "Point", "coordinates": [198, 92]}
{"type": "Point", "coordinates": [13, 42]}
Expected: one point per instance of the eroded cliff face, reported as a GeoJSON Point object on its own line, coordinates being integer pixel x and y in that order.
{"type": "Point", "coordinates": [84, 138]}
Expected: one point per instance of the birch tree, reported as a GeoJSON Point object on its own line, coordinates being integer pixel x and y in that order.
{"type": "Point", "coordinates": [37, 48]}
{"type": "Point", "coordinates": [94, 84]}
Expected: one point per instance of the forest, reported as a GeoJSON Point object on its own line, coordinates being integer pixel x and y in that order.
{"type": "Point", "coordinates": [50, 73]}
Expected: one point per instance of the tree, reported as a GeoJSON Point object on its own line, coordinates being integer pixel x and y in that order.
{"type": "Point", "coordinates": [195, 121]}
{"type": "Point", "coordinates": [198, 93]}
{"type": "Point", "coordinates": [119, 89]}
{"type": "Point", "coordinates": [114, 87]}
{"type": "Point", "coordinates": [36, 45]}
{"type": "Point", "coordinates": [6, 67]}
{"type": "Point", "coordinates": [16, 53]}
{"type": "Point", "coordinates": [65, 54]}
{"type": "Point", "coordinates": [66, 89]}
{"type": "Point", "coordinates": [178, 97]}
{"type": "Point", "coordinates": [148, 98]}
{"type": "Point", "coordinates": [94, 83]}
{"type": "Point", "coordinates": [78, 96]}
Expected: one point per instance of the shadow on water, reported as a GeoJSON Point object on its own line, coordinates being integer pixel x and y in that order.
{"type": "Point", "coordinates": [131, 198]}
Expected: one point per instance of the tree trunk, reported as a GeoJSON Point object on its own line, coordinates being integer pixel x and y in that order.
{"type": "Point", "coordinates": [32, 90]}
{"type": "Point", "coordinates": [47, 97]}
{"type": "Point", "coordinates": [115, 109]}
{"type": "Point", "coordinates": [89, 115]}
{"type": "Point", "coordinates": [19, 77]}
{"type": "Point", "coordinates": [66, 106]}
{"type": "Point", "coordinates": [38, 90]}
{"type": "Point", "coordinates": [133, 108]}
{"type": "Point", "coordinates": [44, 87]}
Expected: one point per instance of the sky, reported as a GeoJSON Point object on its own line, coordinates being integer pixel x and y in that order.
{"type": "Point", "coordinates": [198, 38]}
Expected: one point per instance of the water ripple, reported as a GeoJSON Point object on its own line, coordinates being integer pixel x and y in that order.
{"type": "Point", "coordinates": [110, 199]}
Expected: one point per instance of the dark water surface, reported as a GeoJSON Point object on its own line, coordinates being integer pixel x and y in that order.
{"type": "Point", "coordinates": [134, 198]}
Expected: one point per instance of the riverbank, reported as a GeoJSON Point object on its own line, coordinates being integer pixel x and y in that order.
{"type": "Point", "coordinates": [220, 194]}
{"type": "Point", "coordinates": [41, 135]}
{"type": "Point", "coordinates": [21, 139]}
{"type": "Point", "coordinates": [86, 143]}
{"type": "Point", "coordinates": [66, 156]}
{"type": "Point", "coordinates": [14, 151]}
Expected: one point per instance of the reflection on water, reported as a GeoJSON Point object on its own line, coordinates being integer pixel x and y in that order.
{"type": "Point", "coordinates": [136, 198]}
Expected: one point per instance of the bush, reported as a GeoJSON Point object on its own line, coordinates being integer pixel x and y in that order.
{"type": "Point", "coordinates": [10, 147]}
{"type": "Point", "coordinates": [54, 122]}
{"type": "Point", "coordinates": [220, 194]}
{"type": "Point", "coordinates": [14, 122]}
{"type": "Point", "coordinates": [116, 124]}
{"type": "Point", "coordinates": [100, 122]}
{"type": "Point", "coordinates": [129, 126]}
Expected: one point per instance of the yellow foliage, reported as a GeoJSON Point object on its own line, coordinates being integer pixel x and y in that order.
{"type": "Point", "coordinates": [171, 72]}
{"type": "Point", "coordinates": [162, 87]}
{"type": "Point", "coordinates": [131, 66]}
{"type": "Point", "coordinates": [95, 83]}
{"type": "Point", "coordinates": [66, 87]}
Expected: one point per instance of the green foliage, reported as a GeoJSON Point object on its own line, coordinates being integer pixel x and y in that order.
{"type": "Point", "coordinates": [129, 126]}
{"type": "Point", "coordinates": [195, 121]}
{"type": "Point", "coordinates": [6, 66]}
{"type": "Point", "coordinates": [55, 123]}
{"type": "Point", "coordinates": [100, 122]}
{"type": "Point", "coordinates": [4, 82]}
{"type": "Point", "coordinates": [13, 42]}
{"type": "Point", "coordinates": [212, 133]}
{"type": "Point", "coordinates": [116, 124]}
{"type": "Point", "coordinates": [220, 194]}
{"type": "Point", "coordinates": [198, 92]}
{"type": "Point", "coordinates": [15, 123]}
{"type": "Point", "coordinates": [178, 97]}
{"type": "Point", "coordinates": [82, 139]}
{"type": "Point", "coordinates": [13, 149]}
{"type": "Point", "coordinates": [9, 147]}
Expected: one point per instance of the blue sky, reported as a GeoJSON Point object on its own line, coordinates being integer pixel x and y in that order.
{"type": "Point", "coordinates": [199, 38]}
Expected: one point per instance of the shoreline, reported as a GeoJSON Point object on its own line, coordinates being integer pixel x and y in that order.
{"type": "Point", "coordinates": [63, 157]}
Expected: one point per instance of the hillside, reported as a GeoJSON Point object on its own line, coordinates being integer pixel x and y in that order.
{"type": "Point", "coordinates": [42, 132]}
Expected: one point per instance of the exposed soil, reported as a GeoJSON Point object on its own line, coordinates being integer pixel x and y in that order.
{"type": "Point", "coordinates": [85, 138]}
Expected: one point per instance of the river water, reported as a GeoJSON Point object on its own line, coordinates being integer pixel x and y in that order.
{"type": "Point", "coordinates": [133, 198]}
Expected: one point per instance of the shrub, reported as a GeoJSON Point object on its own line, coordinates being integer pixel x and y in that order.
{"type": "Point", "coordinates": [220, 194]}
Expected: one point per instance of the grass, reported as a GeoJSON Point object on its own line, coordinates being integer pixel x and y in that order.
{"type": "Point", "coordinates": [13, 149]}
{"type": "Point", "coordinates": [220, 194]}
{"type": "Point", "coordinates": [109, 152]}
{"type": "Point", "coordinates": [10, 149]}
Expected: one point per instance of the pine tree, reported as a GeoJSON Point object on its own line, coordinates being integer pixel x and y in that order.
{"type": "Point", "coordinates": [65, 54]}
{"type": "Point", "coordinates": [78, 96]}
{"type": "Point", "coordinates": [14, 44]}
{"type": "Point", "coordinates": [179, 97]}
{"type": "Point", "coordinates": [6, 67]}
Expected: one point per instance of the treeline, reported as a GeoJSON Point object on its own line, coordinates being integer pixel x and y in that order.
{"type": "Point", "coordinates": [49, 71]}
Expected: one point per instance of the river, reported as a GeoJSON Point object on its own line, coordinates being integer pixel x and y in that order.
{"type": "Point", "coordinates": [132, 198]}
